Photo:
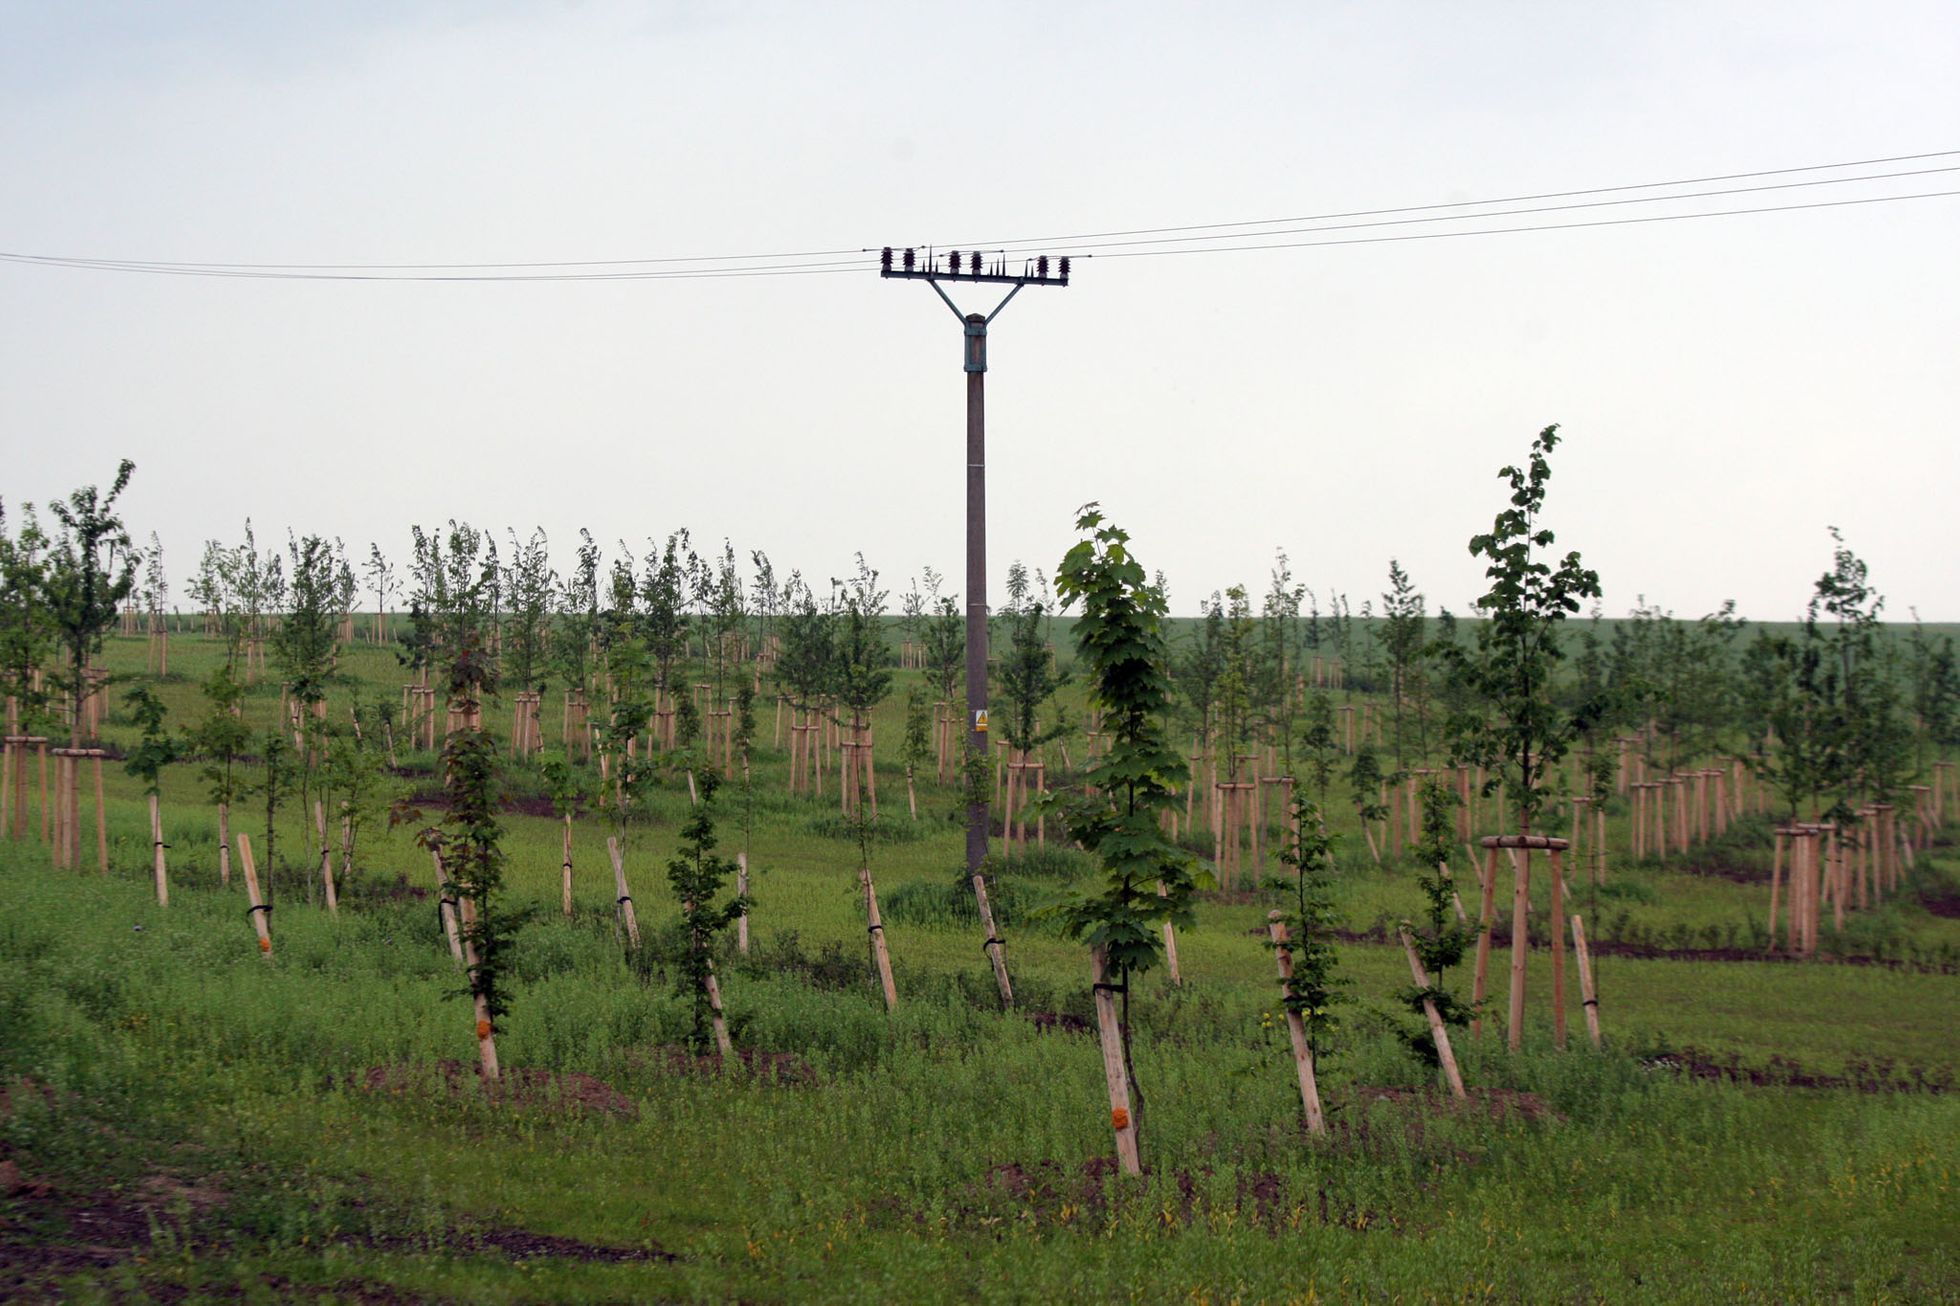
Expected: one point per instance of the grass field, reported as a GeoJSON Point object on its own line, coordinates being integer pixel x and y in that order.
{"type": "Point", "coordinates": [184, 1120]}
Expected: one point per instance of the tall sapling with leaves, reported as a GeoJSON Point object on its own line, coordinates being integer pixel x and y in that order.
{"type": "Point", "coordinates": [1146, 879]}
{"type": "Point", "coordinates": [696, 874]}
{"type": "Point", "coordinates": [146, 762]}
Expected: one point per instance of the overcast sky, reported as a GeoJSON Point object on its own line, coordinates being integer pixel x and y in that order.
{"type": "Point", "coordinates": [1728, 387]}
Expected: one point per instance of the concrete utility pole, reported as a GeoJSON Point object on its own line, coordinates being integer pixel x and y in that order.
{"type": "Point", "coordinates": [978, 268]}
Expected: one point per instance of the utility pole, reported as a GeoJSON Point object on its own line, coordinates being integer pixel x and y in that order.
{"type": "Point", "coordinates": [977, 268]}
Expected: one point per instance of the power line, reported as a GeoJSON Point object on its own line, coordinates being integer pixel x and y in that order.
{"type": "Point", "coordinates": [275, 273]}
{"type": "Point", "coordinates": [1118, 243]}
{"type": "Point", "coordinates": [1547, 226]}
{"type": "Point", "coordinates": [1462, 204]}
{"type": "Point", "coordinates": [1511, 213]}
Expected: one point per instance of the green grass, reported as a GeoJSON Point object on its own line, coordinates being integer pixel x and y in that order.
{"type": "Point", "coordinates": [159, 1069]}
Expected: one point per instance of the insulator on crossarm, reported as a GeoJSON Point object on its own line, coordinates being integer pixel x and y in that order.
{"type": "Point", "coordinates": [954, 260]}
{"type": "Point", "coordinates": [1041, 266]}
{"type": "Point", "coordinates": [1064, 267]}
{"type": "Point", "coordinates": [910, 256]}
{"type": "Point", "coordinates": [885, 259]}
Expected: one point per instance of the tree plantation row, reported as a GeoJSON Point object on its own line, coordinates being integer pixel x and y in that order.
{"type": "Point", "coordinates": [1255, 752]}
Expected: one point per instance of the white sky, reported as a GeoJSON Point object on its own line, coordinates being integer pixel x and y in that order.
{"type": "Point", "coordinates": [1727, 387]}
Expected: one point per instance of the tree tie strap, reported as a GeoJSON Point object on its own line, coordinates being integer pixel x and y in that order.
{"type": "Point", "coordinates": [993, 941]}
{"type": "Point", "coordinates": [265, 907]}
{"type": "Point", "coordinates": [1590, 1002]}
{"type": "Point", "coordinates": [874, 929]}
{"type": "Point", "coordinates": [1124, 987]}
{"type": "Point", "coordinates": [624, 900]}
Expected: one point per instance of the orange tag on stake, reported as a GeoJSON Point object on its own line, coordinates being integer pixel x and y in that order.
{"type": "Point", "coordinates": [482, 1030]}
{"type": "Point", "coordinates": [265, 945]}
{"type": "Point", "coordinates": [1119, 1117]}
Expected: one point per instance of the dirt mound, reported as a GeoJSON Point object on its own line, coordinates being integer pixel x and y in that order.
{"type": "Point", "coordinates": [1881, 1076]}
{"type": "Point", "coordinates": [519, 1087]}
{"type": "Point", "coordinates": [784, 1068]}
{"type": "Point", "coordinates": [1497, 1103]}
{"type": "Point", "coordinates": [1057, 1022]}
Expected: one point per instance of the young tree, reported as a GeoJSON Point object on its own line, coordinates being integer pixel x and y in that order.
{"type": "Point", "coordinates": [805, 666]}
{"type": "Point", "coordinates": [27, 631]}
{"type": "Point", "coordinates": [1279, 657]}
{"type": "Point", "coordinates": [577, 625]}
{"type": "Point", "coordinates": [381, 579]}
{"type": "Point", "coordinates": [91, 569]}
{"type": "Point", "coordinates": [218, 738]}
{"type": "Point", "coordinates": [1147, 879]}
{"type": "Point", "coordinates": [1518, 650]}
{"type": "Point", "coordinates": [154, 751]}
{"type": "Point", "coordinates": [458, 573]}
{"type": "Point", "coordinates": [696, 874]}
{"type": "Point", "coordinates": [1235, 706]}
{"type": "Point", "coordinates": [527, 584]}
{"type": "Point", "coordinates": [1439, 939]}
{"type": "Point", "coordinates": [727, 615]}
{"type": "Point", "coordinates": [305, 642]}
{"type": "Point", "coordinates": [1311, 984]}
{"type": "Point", "coordinates": [861, 676]}
{"type": "Point", "coordinates": [1403, 621]}
{"type": "Point", "coordinates": [664, 617]}
{"type": "Point", "coordinates": [1025, 678]}
{"type": "Point", "coordinates": [1203, 663]}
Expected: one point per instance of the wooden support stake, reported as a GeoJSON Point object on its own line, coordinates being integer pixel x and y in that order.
{"type": "Point", "coordinates": [625, 899]}
{"type": "Point", "coordinates": [1586, 978]}
{"type": "Point", "coordinates": [742, 891]}
{"type": "Point", "coordinates": [568, 863]}
{"type": "Point", "coordinates": [224, 844]}
{"type": "Point", "coordinates": [326, 857]}
{"type": "Point", "coordinates": [1438, 1032]}
{"type": "Point", "coordinates": [995, 949]}
{"type": "Point", "coordinates": [1520, 947]}
{"type": "Point", "coordinates": [1170, 941]}
{"type": "Point", "coordinates": [1558, 950]}
{"type": "Point", "coordinates": [1115, 1071]}
{"type": "Point", "coordinates": [156, 852]}
{"type": "Point", "coordinates": [446, 909]}
{"type": "Point", "coordinates": [102, 824]}
{"type": "Point", "coordinates": [260, 910]}
{"type": "Point", "coordinates": [486, 1033]}
{"type": "Point", "coordinates": [875, 927]}
{"type": "Point", "coordinates": [1487, 915]}
{"type": "Point", "coordinates": [1296, 1028]}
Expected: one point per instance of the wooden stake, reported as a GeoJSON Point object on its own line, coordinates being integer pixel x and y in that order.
{"type": "Point", "coordinates": [260, 910]}
{"type": "Point", "coordinates": [156, 852]}
{"type": "Point", "coordinates": [1520, 946]}
{"type": "Point", "coordinates": [1586, 978]}
{"type": "Point", "coordinates": [1170, 940]}
{"type": "Point", "coordinates": [1486, 918]}
{"type": "Point", "coordinates": [1115, 1073]}
{"type": "Point", "coordinates": [568, 864]}
{"type": "Point", "coordinates": [718, 1017]}
{"type": "Point", "coordinates": [326, 857]}
{"type": "Point", "coordinates": [224, 844]}
{"type": "Point", "coordinates": [995, 949]}
{"type": "Point", "coordinates": [1438, 1032]}
{"type": "Point", "coordinates": [742, 891]}
{"type": "Point", "coordinates": [625, 900]}
{"type": "Point", "coordinates": [446, 909]}
{"type": "Point", "coordinates": [1296, 1027]}
{"type": "Point", "coordinates": [102, 823]}
{"type": "Point", "coordinates": [486, 1034]}
{"type": "Point", "coordinates": [875, 927]}
{"type": "Point", "coordinates": [1558, 950]}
